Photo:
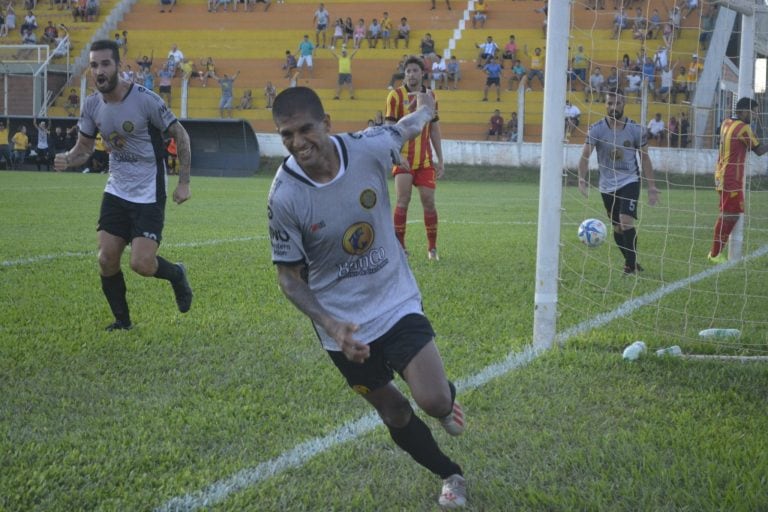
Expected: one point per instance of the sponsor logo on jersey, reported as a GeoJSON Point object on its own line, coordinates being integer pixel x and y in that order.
{"type": "Point", "coordinates": [360, 389]}
{"type": "Point", "coordinates": [358, 238]}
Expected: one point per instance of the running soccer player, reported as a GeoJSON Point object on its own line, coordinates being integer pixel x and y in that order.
{"type": "Point", "coordinates": [736, 139]}
{"type": "Point", "coordinates": [339, 262]}
{"type": "Point", "coordinates": [417, 168]}
{"type": "Point", "coordinates": [131, 120]}
{"type": "Point", "coordinates": [618, 141]}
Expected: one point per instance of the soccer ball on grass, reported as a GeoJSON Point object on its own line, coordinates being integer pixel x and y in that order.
{"type": "Point", "coordinates": [592, 232]}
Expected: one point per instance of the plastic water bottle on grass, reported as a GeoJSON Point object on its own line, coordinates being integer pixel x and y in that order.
{"type": "Point", "coordinates": [719, 333]}
{"type": "Point", "coordinates": [633, 351]}
{"type": "Point", "coordinates": [673, 351]}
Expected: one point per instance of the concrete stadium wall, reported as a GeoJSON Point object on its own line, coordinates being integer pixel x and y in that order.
{"type": "Point", "coordinates": [678, 161]}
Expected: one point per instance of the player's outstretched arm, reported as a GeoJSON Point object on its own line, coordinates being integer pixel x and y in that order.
{"type": "Point", "coordinates": [179, 133]}
{"type": "Point", "coordinates": [295, 288]}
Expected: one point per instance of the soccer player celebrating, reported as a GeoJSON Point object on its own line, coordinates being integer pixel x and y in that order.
{"type": "Point", "coordinates": [618, 140]}
{"type": "Point", "coordinates": [131, 120]}
{"type": "Point", "coordinates": [417, 168]}
{"type": "Point", "coordinates": [736, 139]}
{"type": "Point", "coordinates": [338, 260]}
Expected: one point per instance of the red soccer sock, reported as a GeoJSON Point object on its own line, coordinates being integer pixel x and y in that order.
{"type": "Point", "coordinates": [401, 214]}
{"type": "Point", "coordinates": [430, 222]}
{"type": "Point", "coordinates": [723, 229]}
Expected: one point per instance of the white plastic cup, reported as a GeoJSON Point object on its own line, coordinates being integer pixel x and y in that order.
{"type": "Point", "coordinates": [673, 351]}
{"type": "Point", "coordinates": [632, 352]}
{"type": "Point", "coordinates": [720, 333]}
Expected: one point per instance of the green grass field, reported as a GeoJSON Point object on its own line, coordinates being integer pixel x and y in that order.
{"type": "Point", "coordinates": [202, 405]}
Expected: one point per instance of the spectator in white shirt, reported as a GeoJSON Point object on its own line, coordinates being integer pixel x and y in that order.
{"type": "Point", "coordinates": [656, 128]}
{"type": "Point", "coordinates": [439, 74]}
{"type": "Point", "coordinates": [572, 114]}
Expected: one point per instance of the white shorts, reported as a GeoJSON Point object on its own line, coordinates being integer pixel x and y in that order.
{"type": "Point", "coordinates": [303, 59]}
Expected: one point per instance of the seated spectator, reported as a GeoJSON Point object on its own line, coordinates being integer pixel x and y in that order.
{"type": "Point", "coordinates": [665, 86]}
{"type": "Point", "coordinates": [427, 46]}
{"type": "Point", "coordinates": [595, 86]}
{"type": "Point", "coordinates": [517, 75]}
{"type": "Point", "coordinates": [170, 4]}
{"type": "Point", "coordinates": [488, 49]}
{"type": "Point", "coordinates": [654, 25]}
{"type": "Point", "coordinates": [509, 52]}
{"type": "Point", "coordinates": [639, 25]}
{"type": "Point", "coordinates": [374, 33]}
{"type": "Point", "coordinates": [685, 126]}
{"type": "Point", "coordinates": [673, 132]}
{"type": "Point", "coordinates": [572, 118]}
{"type": "Point", "coordinates": [28, 37]}
{"type": "Point", "coordinates": [496, 126]}
{"type": "Point", "coordinates": [620, 22]}
{"type": "Point", "coordinates": [439, 74]}
{"type": "Point", "coordinates": [680, 84]}
{"type": "Point", "coordinates": [359, 33]}
{"type": "Point", "coordinates": [188, 69]}
{"type": "Point", "coordinates": [511, 128]}
{"type": "Point", "coordinates": [246, 102]}
{"type": "Point", "coordinates": [208, 67]}
{"type": "Point", "coordinates": [656, 128]}
{"type": "Point", "coordinates": [612, 80]}
{"type": "Point", "coordinates": [453, 72]}
{"type": "Point", "coordinates": [349, 30]}
{"type": "Point", "coordinates": [72, 106]}
{"type": "Point", "coordinates": [30, 22]}
{"type": "Point", "coordinates": [480, 15]}
{"type": "Point", "coordinates": [403, 32]}
{"type": "Point", "coordinates": [50, 34]}
{"type": "Point", "coordinates": [91, 10]}
{"type": "Point", "coordinates": [634, 85]}
{"type": "Point", "coordinates": [269, 94]}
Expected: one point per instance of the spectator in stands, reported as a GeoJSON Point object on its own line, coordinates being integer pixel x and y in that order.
{"type": "Point", "coordinates": [665, 84]}
{"type": "Point", "coordinates": [30, 22]}
{"type": "Point", "coordinates": [374, 33]}
{"type": "Point", "coordinates": [43, 156]}
{"type": "Point", "coordinates": [349, 30]}
{"type": "Point", "coordinates": [595, 86]}
{"type": "Point", "coordinates": [399, 73]}
{"type": "Point", "coordinates": [544, 10]}
{"type": "Point", "coordinates": [170, 4]}
{"type": "Point", "coordinates": [685, 126]}
{"type": "Point", "coordinates": [289, 65]}
{"type": "Point", "coordinates": [427, 46]}
{"type": "Point", "coordinates": [509, 52]}
{"type": "Point", "coordinates": [517, 75]}
{"type": "Point", "coordinates": [320, 21]}
{"type": "Point", "coordinates": [439, 74]}
{"type": "Point", "coordinates": [680, 84]}
{"type": "Point", "coordinates": [3, 26]}
{"type": "Point", "coordinates": [227, 84]}
{"type": "Point", "coordinates": [72, 106]}
{"type": "Point", "coordinates": [305, 52]}
{"type": "Point", "coordinates": [360, 33]}
{"type": "Point", "coordinates": [453, 72]}
{"type": "Point", "coordinates": [493, 73]}
{"type": "Point", "coordinates": [208, 69]}
{"type": "Point", "coordinates": [579, 64]}
{"type": "Point", "coordinates": [656, 128]}
{"type": "Point", "coordinates": [649, 74]}
{"type": "Point", "coordinates": [612, 80]}
{"type": "Point", "coordinates": [447, 2]}
{"type": "Point", "coordinates": [188, 69]}
{"type": "Point", "coordinates": [172, 156]}
{"type": "Point", "coordinates": [124, 40]}
{"type": "Point", "coordinates": [510, 131]}
{"type": "Point", "coordinates": [175, 56]}
{"type": "Point", "coordinates": [5, 152]}
{"type": "Point", "coordinates": [403, 32]}
{"type": "Point", "coordinates": [149, 80]}
{"type": "Point", "coordinates": [20, 142]}
{"type": "Point", "coordinates": [694, 70]}
{"type": "Point", "coordinates": [495, 126]}
{"type": "Point", "coordinates": [639, 25]}
{"type": "Point", "coordinates": [674, 18]}
{"type": "Point", "coordinates": [50, 34]}
{"type": "Point", "coordinates": [480, 14]}
{"type": "Point", "coordinates": [708, 16]}
{"type": "Point", "coordinates": [28, 37]}
{"type": "Point", "coordinates": [146, 62]}
{"type": "Point", "coordinates": [689, 7]}
{"type": "Point", "coordinates": [165, 76]}
{"type": "Point", "coordinates": [386, 30]}
{"type": "Point", "coordinates": [572, 118]}
{"type": "Point", "coordinates": [91, 10]}
{"type": "Point", "coordinates": [654, 25]}
{"type": "Point", "coordinates": [536, 69]}
{"type": "Point", "coordinates": [488, 49]}
{"type": "Point", "coordinates": [128, 74]}
{"type": "Point", "coordinates": [345, 72]}
{"type": "Point", "coordinates": [266, 3]}
{"type": "Point", "coordinates": [338, 32]}
{"type": "Point", "coordinates": [620, 22]}
{"type": "Point", "coordinates": [673, 132]}
{"type": "Point", "coordinates": [59, 141]}
{"type": "Point", "coordinates": [269, 94]}
{"type": "Point", "coordinates": [634, 85]}
{"type": "Point", "coordinates": [246, 101]}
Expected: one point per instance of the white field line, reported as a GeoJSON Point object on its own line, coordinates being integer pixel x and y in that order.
{"type": "Point", "coordinates": [302, 453]}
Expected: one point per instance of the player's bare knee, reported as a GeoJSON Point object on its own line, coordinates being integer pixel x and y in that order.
{"type": "Point", "coordinates": [437, 404]}
{"type": "Point", "coordinates": [144, 266]}
{"type": "Point", "coordinates": [396, 414]}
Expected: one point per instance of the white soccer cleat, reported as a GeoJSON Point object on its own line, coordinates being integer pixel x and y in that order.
{"type": "Point", "coordinates": [454, 422]}
{"type": "Point", "coordinates": [454, 493]}
{"type": "Point", "coordinates": [432, 255]}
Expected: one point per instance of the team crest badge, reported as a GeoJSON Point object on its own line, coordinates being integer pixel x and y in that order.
{"type": "Point", "coordinates": [368, 199]}
{"type": "Point", "coordinates": [128, 127]}
{"type": "Point", "coordinates": [358, 238]}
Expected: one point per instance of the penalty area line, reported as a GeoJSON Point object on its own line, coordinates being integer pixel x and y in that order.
{"type": "Point", "coordinates": [303, 452]}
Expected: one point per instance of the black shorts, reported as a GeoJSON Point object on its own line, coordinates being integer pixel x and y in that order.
{"type": "Point", "coordinates": [129, 220]}
{"type": "Point", "coordinates": [390, 353]}
{"type": "Point", "coordinates": [622, 202]}
{"type": "Point", "coordinates": [492, 81]}
{"type": "Point", "coordinates": [165, 88]}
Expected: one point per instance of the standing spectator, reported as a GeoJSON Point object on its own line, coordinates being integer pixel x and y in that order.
{"type": "Point", "coordinates": [572, 118]}
{"type": "Point", "coordinates": [42, 147]}
{"type": "Point", "coordinates": [480, 15]}
{"type": "Point", "coordinates": [145, 64]}
{"type": "Point", "coordinates": [685, 127]}
{"type": "Point", "coordinates": [694, 70]}
{"type": "Point", "coordinates": [165, 76]}
{"type": "Point", "coordinates": [673, 132]}
{"type": "Point", "coordinates": [579, 64]}
{"type": "Point", "coordinates": [453, 72]}
{"type": "Point", "coordinates": [320, 21]}
{"type": "Point", "coordinates": [128, 74]}
{"type": "Point", "coordinates": [124, 40]}
{"type": "Point", "coordinates": [447, 2]}
{"type": "Point", "coordinates": [517, 75]}
{"type": "Point", "coordinates": [545, 11]}
{"type": "Point", "coordinates": [493, 73]}
{"type": "Point", "coordinates": [649, 74]}
{"type": "Point", "coordinates": [656, 128]}
{"type": "Point", "coordinates": [208, 67]}
{"type": "Point", "coordinates": [305, 52]}
{"type": "Point", "coordinates": [403, 32]}
{"type": "Point", "coordinates": [59, 140]}
{"type": "Point", "coordinates": [618, 142]}
{"type": "Point", "coordinates": [439, 74]}
{"type": "Point", "coordinates": [345, 72]}
{"type": "Point", "coordinates": [495, 126]}
{"type": "Point", "coordinates": [133, 204]}
{"type": "Point", "coordinates": [536, 69]}
{"type": "Point", "coordinates": [369, 319]}
{"type": "Point", "coordinates": [269, 94]}
{"type": "Point", "coordinates": [73, 103]}
{"type": "Point", "coordinates": [20, 142]}
{"type": "Point", "coordinates": [30, 22]}
{"type": "Point", "coordinates": [509, 52]}
{"type": "Point", "coordinates": [511, 128]}
{"type": "Point", "coordinates": [176, 57]}
{"type": "Point", "coordinates": [5, 151]}
{"type": "Point", "coordinates": [417, 167]}
{"type": "Point", "coordinates": [654, 25]}
{"type": "Point", "coordinates": [488, 49]}
{"type": "Point", "coordinates": [386, 30]}
{"type": "Point", "coordinates": [227, 84]}
{"type": "Point", "coordinates": [149, 80]}
{"type": "Point", "coordinates": [736, 140]}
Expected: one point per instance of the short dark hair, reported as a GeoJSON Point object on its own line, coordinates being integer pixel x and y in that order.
{"type": "Point", "coordinates": [413, 59]}
{"type": "Point", "coordinates": [293, 100]}
{"type": "Point", "coordinates": [107, 44]}
{"type": "Point", "coordinates": [746, 104]}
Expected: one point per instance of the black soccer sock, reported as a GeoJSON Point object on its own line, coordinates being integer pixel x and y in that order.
{"type": "Point", "coordinates": [453, 392]}
{"type": "Point", "coordinates": [630, 245]}
{"type": "Point", "coordinates": [114, 290]}
{"type": "Point", "coordinates": [416, 439]}
{"type": "Point", "coordinates": [167, 270]}
{"type": "Point", "coordinates": [619, 239]}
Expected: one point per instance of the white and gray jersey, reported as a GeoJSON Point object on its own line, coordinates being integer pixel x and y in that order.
{"type": "Point", "coordinates": [132, 132]}
{"type": "Point", "coordinates": [343, 232]}
{"type": "Point", "coordinates": [617, 153]}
